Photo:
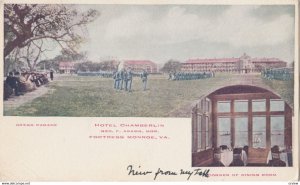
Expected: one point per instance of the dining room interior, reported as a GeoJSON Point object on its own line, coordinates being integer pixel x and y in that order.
{"type": "Point", "coordinates": [242, 125]}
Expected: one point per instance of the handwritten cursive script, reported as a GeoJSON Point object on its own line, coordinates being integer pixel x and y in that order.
{"type": "Point", "coordinates": [160, 172]}
{"type": "Point", "coordinates": [136, 172]}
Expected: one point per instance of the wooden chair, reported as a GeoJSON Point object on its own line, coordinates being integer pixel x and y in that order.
{"type": "Point", "coordinates": [276, 161]}
{"type": "Point", "coordinates": [237, 160]}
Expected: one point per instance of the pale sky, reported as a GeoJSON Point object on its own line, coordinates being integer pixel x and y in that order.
{"type": "Point", "coordinates": [181, 32]}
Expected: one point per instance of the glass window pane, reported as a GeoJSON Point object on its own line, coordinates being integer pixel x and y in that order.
{"type": "Point", "coordinates": [259, 132]}
{"type": "Point", "coordinates": [224, 136]}
{"type": "Point", "coordinates": [207, 107]}
{"type": "Point", "coordinates": [207, 132]}
{"type": "Point", "coordinates": [240, 105]}
{"type": "Point", "coordinates": [276, 105]}
{"type": "Point", "coordinates": [223, 106]}
{"type": "Point", "coordinates": [258, 105]}
{"type": "Point", "coordinates": [277, 131]}
{"type": "Point", "coordinates": [199, 131]}
{"type": "Point", "coordinates": [195, 133]}
{"type": "Point", "coordinates": [241, 131]}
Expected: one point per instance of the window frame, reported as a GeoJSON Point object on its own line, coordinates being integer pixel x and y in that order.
{"type": "Point", "coordinates": [200, 111]}
{"type": "Point", "coordinates": [267, 96]}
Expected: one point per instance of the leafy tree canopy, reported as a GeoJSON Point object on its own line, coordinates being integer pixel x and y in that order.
{"type": "Point", "coordinates": [26, 23]}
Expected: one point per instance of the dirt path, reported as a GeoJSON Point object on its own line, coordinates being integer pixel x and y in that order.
{"type": "Point", "coordinates": [15, 101]}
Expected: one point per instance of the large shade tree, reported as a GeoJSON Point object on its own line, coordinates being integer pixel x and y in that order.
{"type": "Point", "coordinates": [171, 66]}
{"type": "Point", "coordinates": [26, 23]}
{"type": "Point", "coordinates": [65, 56]}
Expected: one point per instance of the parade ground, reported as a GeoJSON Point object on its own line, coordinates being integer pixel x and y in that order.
{"type": "Point", "coordinates": [92, 96]}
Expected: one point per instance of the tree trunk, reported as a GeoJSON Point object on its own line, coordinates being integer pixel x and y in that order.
{"type": "Point", "coordinates": [10, 46]}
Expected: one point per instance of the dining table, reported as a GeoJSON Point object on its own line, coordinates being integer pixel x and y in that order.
{"type": "Point", "coordinates": [227, 157]}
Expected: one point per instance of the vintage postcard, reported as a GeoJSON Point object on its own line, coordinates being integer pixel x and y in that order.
{"type": "Point", "coordinates": [149, 91]}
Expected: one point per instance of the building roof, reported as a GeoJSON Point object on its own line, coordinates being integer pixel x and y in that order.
{"type": "Point", "coordinates": [66, 64]}
{"type": "Point", "coordinates": [266, 60]}
{"type": "Point", "coordinates": [138, 62]}
{"type": "Point", "coordinates": [212, 60]}
{"type": "Point", "coordinates": [223, 60]}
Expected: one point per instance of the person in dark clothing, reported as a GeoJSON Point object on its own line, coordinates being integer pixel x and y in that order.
{"type": "Point", "coordinates": [10, 80]}
{"type": "Point", "coordinates": [7, 91]}
{"type": "Point", "coordinates": [144, 77]}
{"type": "Point", "coordinates": [217, 159]}
{"type": "Point", "coordinates": [17, 77]}
{"type": "Point", "coordinates": [51, 75]}
{"type": "Point", "coordinates": [224, 147]}
{"type": "Point", "coordinates": [13, 82]}
{"type": "Point", "coordinates": [276, 161]}
{"type": "Point", "coordinates": [122, 75]}
{"type": "Point", "coordinates": [129, 80]}
{"type": "Point", "coordinates": [35, 80]}
{"type": "Point", "coordinates": [115, 79]}
{"type": "Point", "coordinates": [170, 76]}
{"type": "Point", "coordinates": [125, 74]}
{"type": "Point", "coordinates": [246, 148]}
{"type": "Point", "coordinates": [237, 160]}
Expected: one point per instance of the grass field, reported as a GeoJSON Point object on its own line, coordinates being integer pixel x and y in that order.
{"type": "Point", "coordinates": [95, 97]}
{"type": "Point", "coordinates": [284, 88]}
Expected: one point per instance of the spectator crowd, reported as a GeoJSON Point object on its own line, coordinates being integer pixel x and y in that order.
{"type": "Point", "coordinates": [17, 83]}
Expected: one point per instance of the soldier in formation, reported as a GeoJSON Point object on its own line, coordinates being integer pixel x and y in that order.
{"type": "Point", "coordinates": [129, 80]}
{"type": "Point", "coordinates": [144, 77]}
{"type": "Point", "coordinates": [190, 76]}
{"type": "Point", "coordinates": [102, 74]}
{"type": "Point", "coordinates": [277, 74]}
{"type": "Point", "coordinates": [123, 80]}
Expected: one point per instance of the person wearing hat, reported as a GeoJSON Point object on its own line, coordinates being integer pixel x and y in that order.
{"type": "Point", "coordinates": [217, 158]}
{"type": "Point", "coordinates": [129, 80]}
{"type": "Point", "coordinates": [237, 158]}
{"type": "Point", "coordinates": [13, 82]}
{"type": "Point", "coordinates": [276, 161]}
{"type": "Point", "coordinates": [115, 77]}
{"type": "Point", "coordinates": [125, 76]}
{"type": "Point", "coordinates": [144, 77]}
{"type": "Point", "coordinates": [122, 78]}
{"type": "Point", "coordinates": [51, 75]}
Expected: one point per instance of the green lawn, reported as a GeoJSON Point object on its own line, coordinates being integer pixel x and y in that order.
{"type": "Point", "coordinates": [284, 88]}
{"type": "Point", "coordinates": [95, 97]}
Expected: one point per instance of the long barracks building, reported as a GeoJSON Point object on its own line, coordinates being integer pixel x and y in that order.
{"type": "Point", "coordinates": [243, 64]}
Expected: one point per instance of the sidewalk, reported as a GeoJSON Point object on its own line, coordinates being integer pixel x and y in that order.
{"type": "Point", "coordinates": [14, 102]}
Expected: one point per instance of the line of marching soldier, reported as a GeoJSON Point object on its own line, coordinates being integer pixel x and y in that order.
{"type": "Point", "coordinates": [19, 83]}
{"type": "Point", "coordinates": [102, 74]}
{"type": "Point", "coordinates": [278, 74]}
{"type": "Point", "coordinates": [190, 76]}
{"type": "Point", "coordinates": [123, 80]}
